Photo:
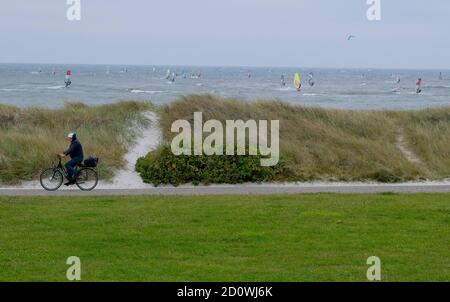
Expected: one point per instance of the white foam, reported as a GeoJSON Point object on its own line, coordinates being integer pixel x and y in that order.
{"type": "Point", "coordinates": [56, 87]}
{"type": "Point", "coordinates": [12, 89]}
{"type": "Point", "coordinates": [285, 89]}
{"type": "Point", "coordinates": [146, 91]}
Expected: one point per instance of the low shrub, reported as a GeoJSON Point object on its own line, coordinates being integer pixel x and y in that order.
{"type": "Point", "coordinates": [163, 167]}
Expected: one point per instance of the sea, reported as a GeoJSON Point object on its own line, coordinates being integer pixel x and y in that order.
{"type": "Point", "coordinates": [42, 85]}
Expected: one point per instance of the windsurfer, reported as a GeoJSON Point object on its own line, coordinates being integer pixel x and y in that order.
{"type": "Point", "coordinates": [311, 79]}
{"type": "Point", "coordinates": [283, 80]}
{"type": "Point", "coordinates": [67, 81]}
{"type": "Point", "coordinates": [419, 86]}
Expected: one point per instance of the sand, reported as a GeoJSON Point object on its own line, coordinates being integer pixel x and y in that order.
{"type": "Point", "coordinates": [148, 140]}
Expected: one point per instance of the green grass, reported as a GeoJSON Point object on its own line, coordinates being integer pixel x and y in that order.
{"type": "Point", "coordinates": [337, 145]}
{"type": "Point", "coordinates": [30, 137]}
{"type": "Point", "coordinates": [242, 238]}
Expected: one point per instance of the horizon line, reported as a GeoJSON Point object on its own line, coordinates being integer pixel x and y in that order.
{"type": "Point", "coordinates": [226, 66]}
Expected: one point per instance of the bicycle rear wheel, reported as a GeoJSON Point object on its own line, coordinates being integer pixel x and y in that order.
{"type": "Point", "coordinates": [51, 179]}
{"type": "Point", "coordinates": [87, 179]}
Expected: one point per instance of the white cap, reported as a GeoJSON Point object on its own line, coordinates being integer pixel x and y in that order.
{"type": "Point", "coordinates": [70, 135]}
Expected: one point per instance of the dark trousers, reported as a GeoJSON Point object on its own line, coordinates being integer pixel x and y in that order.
{"type": "Point", "coordinates": [70, 166]}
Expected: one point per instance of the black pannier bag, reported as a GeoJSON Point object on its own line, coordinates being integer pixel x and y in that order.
{"type": "Point", "coordinates": [91, 162]}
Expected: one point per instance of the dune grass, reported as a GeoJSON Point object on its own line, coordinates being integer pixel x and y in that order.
{"type": "Point", "coordinates": [337, 145]}
{"type": "Point", "coordinates": [428, 135]}
{"type": "Point", "coordinates": [30, 137]}
{"type": "Point", "coordinates": [315, 143]}
{"type": "Point", "coordinates": [324, 237]}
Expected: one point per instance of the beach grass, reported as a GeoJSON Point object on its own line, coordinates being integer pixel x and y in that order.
{"type": "Point", "coordinates": [323, 237]}
{"type": "Point", "coordinates": [338, 145]}
{"type": "Point", "coordinates": [315, 143]}
{"type": "Point", "coordinates": [428, 135]}
{"type": "Point", "coordinates": [30, 137]}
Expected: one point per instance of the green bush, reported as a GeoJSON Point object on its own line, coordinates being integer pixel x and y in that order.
{"type": "Point", "coordinates": [163, 167]}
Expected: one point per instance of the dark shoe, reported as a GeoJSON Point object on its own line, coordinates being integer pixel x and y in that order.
{"type": "Point", "coordinates": [69, 183]}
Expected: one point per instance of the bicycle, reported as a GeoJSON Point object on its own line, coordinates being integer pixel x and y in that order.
{"type": "Point", "coordinates": [86, 178]}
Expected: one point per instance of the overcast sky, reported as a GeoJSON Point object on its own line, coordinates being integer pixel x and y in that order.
{"type": "Point", "coordinates": [309, 33]}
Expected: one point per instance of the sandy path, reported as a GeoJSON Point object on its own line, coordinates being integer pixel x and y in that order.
{"type": "Point", "coordinates": [147, 141]}
{"type": "Point", "coordinates": [408, 154]}
{"type": "Point", "coordinates": [402, 145]}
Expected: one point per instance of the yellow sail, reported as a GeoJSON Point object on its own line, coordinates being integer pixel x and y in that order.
{"type": "Point", "coordinates": [297, 82]}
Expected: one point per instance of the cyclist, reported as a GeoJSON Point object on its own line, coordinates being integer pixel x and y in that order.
{"type": "Point", "coordinates": [75, 151]}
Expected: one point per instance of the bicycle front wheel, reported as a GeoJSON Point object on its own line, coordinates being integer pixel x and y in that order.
{"type": "Point", "coordinates": [51, 179]}
{"type": "Point", "coordinates": [87, 179]}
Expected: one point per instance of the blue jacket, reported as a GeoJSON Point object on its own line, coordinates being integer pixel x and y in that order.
{"type": "Point", "coordinates": [75, 150]}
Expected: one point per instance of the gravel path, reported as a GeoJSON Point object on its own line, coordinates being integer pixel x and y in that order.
{"type": "Point", "coordinates": [245, 189]}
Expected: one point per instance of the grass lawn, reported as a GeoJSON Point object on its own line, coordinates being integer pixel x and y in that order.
{"type": "Point", "coordinates": [323, 237]}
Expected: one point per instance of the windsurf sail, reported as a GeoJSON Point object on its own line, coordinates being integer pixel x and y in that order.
{"type": "Point", "coordinates": [283, 80]}
{"type": "Point", "coordinates": [67, 81]}
{"type": "Point", "coordinates": [297, 82]}
{"type": "Point", "coordinates": [419, 86]}
{"type": "Point", "coordinates": [440, 76]}
{"type": "Point", "coordinates": [311, 79]}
